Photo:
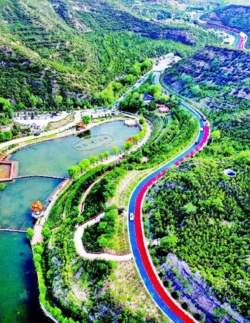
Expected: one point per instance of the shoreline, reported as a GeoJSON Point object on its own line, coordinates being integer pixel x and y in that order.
{"type": "Point", "coordinates": [40, 222]}
{"type": "Point", "coordinates": [5, 155]}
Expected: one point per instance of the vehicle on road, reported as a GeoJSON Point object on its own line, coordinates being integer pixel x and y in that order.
{"type": "Point", "coordinates": [131, 217]}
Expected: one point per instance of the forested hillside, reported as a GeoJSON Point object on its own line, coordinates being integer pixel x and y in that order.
{"type": "Point", "coordinates": [201, 215]}
{"type": "Point", "coordinates": [219, 79]}
{"type": "Point", "coordinates": [197, 217]}
{"type": "Point", "coordinates": [57, 48]}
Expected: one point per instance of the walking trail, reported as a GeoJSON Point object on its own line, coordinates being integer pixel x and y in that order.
{"type": "Point", "coordinates": [83, 253]}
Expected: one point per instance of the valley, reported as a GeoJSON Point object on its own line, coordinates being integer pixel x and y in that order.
{"type": "Point", "coordinates": [143, 178]}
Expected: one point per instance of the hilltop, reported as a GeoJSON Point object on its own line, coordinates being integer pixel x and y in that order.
{"type": "Point", "coordinates": [56, 48]}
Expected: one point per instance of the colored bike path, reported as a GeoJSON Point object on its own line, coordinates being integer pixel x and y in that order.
{"type": "Point", "coordinates": [136, 235]}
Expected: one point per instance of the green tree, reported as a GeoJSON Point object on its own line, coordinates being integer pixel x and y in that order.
{"type": "Point", "coordinates": [136, 138]}
{"type": "Point", "coordinates": [135, 69]}
{"type": "Point", "coordinates": [146, 65]}
{"type": "Point", "coordinates": [102, 241]}
{"type": "Point", "coordinates": [8, 135]}
{"type": "Point", "coordinates": [20, 106]}
{"type": "Point", "coordinates": [215, 135]}
{"type": "Point", "coordinates": [127, 145]}
{"type": "Point", "coordinates": [2, 185]}
{"type": "Point", "coordinates": [196, 90]}
{"type": "Point", "coordinates": [168, 243]}
{"type": "Point", "coordinates": [29, 233]}
{"type": "Point", "coordinates": [84, 164]}
{"type": "Point", "coordinates": [115, 150]}
{"type": "Point", "coordinates": [155, 91]}
{"type": "Point", "coordinates": [69, 102]}
{"type": "Point", "coordinates": [2, 136]}
{"type": "Point", "coordinates": [106, 154]}
{"type": "Point", "coordinates": [189, 208]}
{"type": "Point", "coordinates": [74, 171]}
{"type": "Point", "coordinates": [129, 79]}
{"type": "Point", "coordinates": [33, 101]}
{"type": "Point", "coordinates": [116, 86]}
{"type": "Point", "coordinates": [101, 156]}
{"type": "Point", "coordinates": [86, 119]}
{"type": "Point", "coordinates": [141, 121]}
{"type": "Point", "coordinates": [46, 233]}
{"type": "Point", "coordinates": [93, 159]}
{"type": "Point", "coordinates": [58, 100]}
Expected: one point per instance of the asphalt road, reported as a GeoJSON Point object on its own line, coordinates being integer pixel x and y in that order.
{"type": "Point", "coordinates": [136, 235]}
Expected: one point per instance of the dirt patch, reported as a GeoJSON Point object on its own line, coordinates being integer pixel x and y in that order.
{"type": "Point", "coordinates": [126, 287]}
{"type": "Point", "coordinates": [60, 123]}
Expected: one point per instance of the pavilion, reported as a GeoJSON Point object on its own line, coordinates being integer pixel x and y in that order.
{"type": "Point", "coordinates": [80, 125]}
{"type": "Point", "coordinates": [37, 208]}
{"type": "Point", "coordinates": [130, 140]}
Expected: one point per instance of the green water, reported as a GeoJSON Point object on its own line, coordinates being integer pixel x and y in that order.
{"type": "Point", "coordinates": [18, 283]}
{"type": "Point", "coordinates": [17, 198]}
{"type": "Point", "coordinates": [55, 156]}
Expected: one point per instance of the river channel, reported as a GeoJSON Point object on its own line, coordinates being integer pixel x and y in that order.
{"type": "Point", "coordinates": [18, 282]}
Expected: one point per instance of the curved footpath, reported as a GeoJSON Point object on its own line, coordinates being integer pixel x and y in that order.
{"type": "Point", "coordinates": [142, 258]}
{"type": "Point", "coordinates": [89, 255]}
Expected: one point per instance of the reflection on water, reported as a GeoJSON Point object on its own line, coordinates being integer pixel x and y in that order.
{"type": "Point", "coordinates": [93, 142]}
{"type": "Point", "coordinates": [83, 134]}
{"type": "Point", "coordinates": [17, 197]}
{"type": "Point", "coordinates": [55, 156]}
{"type": "Point", "coordinates": [18, 283]}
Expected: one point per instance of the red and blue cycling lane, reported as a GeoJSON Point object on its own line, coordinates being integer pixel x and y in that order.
{"type": "Point", "coordinates": [136, 234]}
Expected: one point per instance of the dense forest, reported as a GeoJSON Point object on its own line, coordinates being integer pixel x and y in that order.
{"type": "Point", "coordinates": [197, 216]}
{"type": "Point", "coordinates": [58, 55]}
{"type": "Point", "coordinates": [201, 215]}
{"type": "Point", "coordinates": [54, 54]}
{"type": "Point", "coordinates": [218, 79]}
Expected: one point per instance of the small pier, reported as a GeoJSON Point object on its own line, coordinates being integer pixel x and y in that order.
{"type": "Point", "coordinates": [130, 123]}
{"type": "Point", "coordinates": [43, 176]}
{"type": "Point", "coordinates": [8, 170]}
{"type": "Point", "coordinates": [12, 230]}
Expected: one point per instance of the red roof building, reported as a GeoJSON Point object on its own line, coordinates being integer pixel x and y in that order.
{"type": "Point", "coordinates": [80, 124]}
{"type": "Point", "coordinates": [162, 108]}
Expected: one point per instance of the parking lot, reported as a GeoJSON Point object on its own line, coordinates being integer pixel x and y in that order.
{"type": "Point", "coordinates": [37, 122]}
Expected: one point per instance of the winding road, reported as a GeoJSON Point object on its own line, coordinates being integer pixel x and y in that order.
{"type": "Point", "coordinates": [136, 232]}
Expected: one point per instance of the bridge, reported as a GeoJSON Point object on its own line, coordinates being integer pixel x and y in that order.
{"type": "Point", "coordinates": [43, 176]}
{"type": "Point", "coordinates": [12, 230]}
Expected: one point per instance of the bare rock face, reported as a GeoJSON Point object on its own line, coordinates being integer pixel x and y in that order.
{"type": "Point", "coordinates": [179, 35]}
{"type": "Point", "coordinates": [194, 291]}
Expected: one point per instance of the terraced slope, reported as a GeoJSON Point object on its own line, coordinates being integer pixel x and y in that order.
{"type": "Point", "coordinates": [50, 48]}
